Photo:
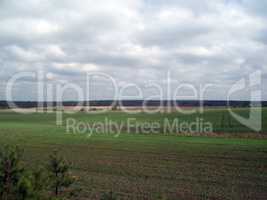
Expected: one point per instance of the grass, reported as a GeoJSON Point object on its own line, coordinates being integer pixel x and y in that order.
{"type": "Point", "coordinates": [148, 166]}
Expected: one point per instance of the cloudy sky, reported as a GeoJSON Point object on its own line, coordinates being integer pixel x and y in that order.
{"type": "Point", "coordinates": [140, 43]}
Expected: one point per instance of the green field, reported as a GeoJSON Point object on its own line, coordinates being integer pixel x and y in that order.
{"type": "Point", "coordinates": [147, 166]}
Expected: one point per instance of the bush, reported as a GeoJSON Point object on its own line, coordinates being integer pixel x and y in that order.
{"type": "Point", "coordinates": [18, 184]}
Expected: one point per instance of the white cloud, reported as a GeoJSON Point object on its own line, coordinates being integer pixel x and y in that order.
{"type": "Point", "coordinates": [135, 40]}
{"type": "Point", "coordinates": [76, 66]}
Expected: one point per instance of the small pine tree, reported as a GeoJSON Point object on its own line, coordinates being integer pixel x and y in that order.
{"type": "Point", "coordinates": [59, 176]}
{"type": "Point", "coordinates": [24, 189]}
{"type": "Point", "coordinates": [12, 176]}
{"type": "Point", "coordinates": [39, 183]}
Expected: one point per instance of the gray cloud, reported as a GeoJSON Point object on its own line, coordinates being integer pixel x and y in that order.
{"type": "Point", "coordinates": [135, 41]}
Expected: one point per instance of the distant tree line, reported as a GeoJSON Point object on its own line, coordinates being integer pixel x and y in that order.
{"type": "Point", "coordinates": [137, 103]}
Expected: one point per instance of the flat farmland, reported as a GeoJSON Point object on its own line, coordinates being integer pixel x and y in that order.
{"type": "Point", "coordinates": [229, 164]}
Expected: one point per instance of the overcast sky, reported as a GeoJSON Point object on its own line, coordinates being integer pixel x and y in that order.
{"type": "Point", "coordinates": [215, 42]}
